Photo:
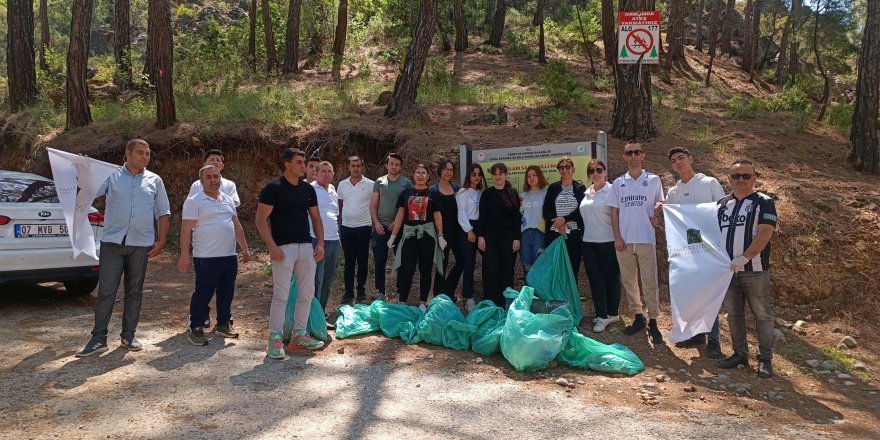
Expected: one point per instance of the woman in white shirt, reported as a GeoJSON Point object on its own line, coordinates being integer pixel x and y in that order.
{"type": "Point", "coordinates": [468, 201]}
{"type": "Point", "coordinates": [600, 259]}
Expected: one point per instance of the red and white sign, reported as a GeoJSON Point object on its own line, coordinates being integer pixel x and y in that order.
{"type": "Point", "coordinates": [638, 36]}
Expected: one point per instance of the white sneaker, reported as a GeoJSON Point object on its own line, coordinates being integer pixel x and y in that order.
{"type": "Point", "coordinates": [470, 304]}
{"type": "Point", "coordinates": [423, 307]}
{"type": "Point", "coordinates": [613, 318]}
{"type": "Point", "coordinates": [601, 323]}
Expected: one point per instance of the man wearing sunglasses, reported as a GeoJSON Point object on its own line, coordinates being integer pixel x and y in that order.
{"type": "Point", "coordinates": [748, 219]}
{"type": "Point", "coordinates": [694, 188]}
{"type": "Point", "coordinates": [632, 200]}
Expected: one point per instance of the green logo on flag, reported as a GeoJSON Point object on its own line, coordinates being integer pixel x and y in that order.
{"type": "Point", "coordinates": [694, 236]}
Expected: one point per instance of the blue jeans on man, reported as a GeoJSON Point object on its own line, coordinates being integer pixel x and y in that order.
{"type": "Point", "coordinates": [325, 270]}
{"type": "Point", "coordinates": [214, 275]}
{"type": "Point", "coordinates": [356, 251]}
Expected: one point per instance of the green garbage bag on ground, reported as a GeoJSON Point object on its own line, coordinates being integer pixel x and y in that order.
{"type": "Point", "coordinates": [587, 353]}
{"type": "Point", "coordinates": [530, 341]}
{"type": "Point", "coordinates": [317, 325]}
{"type": "Point", "coordinates": [397, 320]}
{"type": "Point", "coordinates": [441, 311]}
{"type": "Point", "coordinates": [357, 320]}
{"type": "Point", "coordinates": [552, 278]}
{"type": "Point", "coordinates": [489, 320]}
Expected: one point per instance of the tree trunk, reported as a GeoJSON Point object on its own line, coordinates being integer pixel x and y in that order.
{"type": "Point", "coordinates": [632, 116]}
{"type": "Point", "coordinates": [713, 36]}
{"type": "Point", "coordinates": [746, 49]}
{"type": "Point", "coordinates": [163, 48]}
{"type": "Point", "coordinates": [316, 41]}
{"type": "Point", "coordinates": [21, 72]}
{"type": "Point", "coordinates": [122, 44]}
{"type": "Point", "coordinates": [864, 155]}
{"type": "Point", "coordinates": [461, 33]}
{"type": "Point", "coordinates": [407, 84]}
{"type": "Point", "coordinates": [44, 34]}
{"type": "Point", "coordinates": [783, 47]}
{"type": "Point", "coordinates": [291, 44]}
{"type": "Point", "coordinates": [498, 23]}
{"type": "Point", "coordinates": [827, 79]}
{"type": "Point", "coordinates": [756, 37]}
{"type": "Point", "coordinates": [149, 62]}
{"type": "Point", "coordinates": [675, 34]}
{"type": "Point", "coordinates": [587, 43]}
{"type": "Point", "coordinates": [609, 33]}
{"type": "Point", "coordinates": [538, 20]}
{"type": "Point", "coordinates": [700, 10]}
{"type": "Point", "coordinates": [489, 18]}
{"type": "Point", "coordinates": [793, 58]}
{"type": "Point", "coordinates": [341, 29]}
{"type": "Point", "coordinates": [445, 45]}
{"type": "Point", "coordinates": [78, 112]}
{"type": "Point", "coordinates": [252, 36]}
{"type": "Point", "coordinates": [727, 28]}
{"type": "Point", "coordinates": [271, 58]}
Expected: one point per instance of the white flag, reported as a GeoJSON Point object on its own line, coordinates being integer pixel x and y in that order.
{"type": "Point", "coordinates": [699, 268]}
{"type": "Point", "coordinates": [77, 180]}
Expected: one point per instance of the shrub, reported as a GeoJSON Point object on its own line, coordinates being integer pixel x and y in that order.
{"type": "Point", "coordinates": [840, 116]}
{"type": "Point", "coordinates": [555, 117]}
{"type": "Point", "coordinates": [559, 85]}
{"type": "Point", "coordinates": [737, 108]}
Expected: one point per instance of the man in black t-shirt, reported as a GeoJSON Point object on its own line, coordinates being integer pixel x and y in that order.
{"type": "Point", "coordinates": [285, 207]}
{"type": "Point", "coordinates": [747, 220]}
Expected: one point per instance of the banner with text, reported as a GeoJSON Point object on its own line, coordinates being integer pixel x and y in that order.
{"type": "Point", "coordinates": [517, 159]}
{"type": "Point", "coordinates": [699, 268]}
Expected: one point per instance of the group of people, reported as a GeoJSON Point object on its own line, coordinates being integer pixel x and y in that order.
{"type": "Point", "coordinates": [304, 221]}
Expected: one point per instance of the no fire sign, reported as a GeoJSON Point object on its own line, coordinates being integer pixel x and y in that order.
{"type": "Point", "coordinates": [638, 37]}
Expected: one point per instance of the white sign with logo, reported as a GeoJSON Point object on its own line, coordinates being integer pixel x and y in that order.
{"type": "Point", "coordinates": [699, 268]}
{"type": "Point", "coordinates": [638, 37]}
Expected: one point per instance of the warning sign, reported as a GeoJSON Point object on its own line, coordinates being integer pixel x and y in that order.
{"type": "Point", "coordinates": [638, 37]}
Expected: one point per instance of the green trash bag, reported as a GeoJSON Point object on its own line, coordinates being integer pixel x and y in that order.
{"type": "Point", "coordinates": [397, 320]}
{"type": "Point", "coordinates": [317, 325]}
{"type": "Point", "coordinates": [552, 278]}
{"type": "Point", "coordinates": [441, 311]}
{"type": "Point", "coordinates": [489, 320]}
{"type": "Point", "coordinates": [357, 320]}
{"type": "Point", "coordinates": [457, 335]}
{"type": "Point", "coordinates": [530, 341]}
{"type": "Point", "coordinates": [587, 353]}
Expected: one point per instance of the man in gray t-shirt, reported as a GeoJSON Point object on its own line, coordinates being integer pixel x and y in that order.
{"type": "Point", "coordinates": [383, 209]}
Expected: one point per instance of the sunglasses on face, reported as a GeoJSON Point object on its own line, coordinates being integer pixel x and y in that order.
{"type": "Point", "coordinates": [633, 152]}
{"type": "Point", "coordinates": [745, 176]}
{"type": "Point", "coordinates": [564, 167]}
{"type": "Point", "coordinates": [595, 170]}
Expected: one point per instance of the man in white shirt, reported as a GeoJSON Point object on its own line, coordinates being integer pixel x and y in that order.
{"type": "Point", "coordinates": [328, 206]}
{"type": "Point", "coordinates": [355, 193]}
{"type": "Point", "coordinates": [694, 188]}
{"type": "Point", "coordinates": [632, 201]}
{"type": "Point", "coordinates": [211, 224]}
{"type": "Point", "coordinates": [215, 158]}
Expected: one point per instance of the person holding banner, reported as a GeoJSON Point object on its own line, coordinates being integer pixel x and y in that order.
{"type": "Point", "coordinates": [632, 200]}
{"type": "Point", "coordinates": [533, 224]}
{"type": "Point", "coordinates": [600, 259]}
{"type": "Point", "coordinates": [748, 219]}
{"type": "Point", "coordinates": [561, 212]}
{"type": "Point", "coordinates": [499, 234]}
{"type": "Point", "coordinates": [445, 190]}
{"type": "Point", "coordinates": [420, 225]}
{"type": "Point", "coordinates": [694, 188]}
{"type": "Point", "coordinates": [135, 198]}
{"type": "Point", "coordinates": [468, 201]}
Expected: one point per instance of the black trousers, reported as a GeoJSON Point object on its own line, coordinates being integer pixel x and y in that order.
{"type": "Point", "coordinates": [356, 250]}
{"type": "Point", "coordinates": [416, 252]}
{"type": "Point", "coordinates": [572, 245]}
{"type": "Point", "coordinates": [447, 283]}
{"type": "Point", "coordinates": [498, 262]}
{"type": "Point", "coordinates": [600, 263]}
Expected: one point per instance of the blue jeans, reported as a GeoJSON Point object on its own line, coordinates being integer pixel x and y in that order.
{"type": "Point", "coordinates": [531, 244]}
{"type": "Point", "coordinates": [325, 270]}
{"type": "Point", "coordinates": [213, 275]}
{"type": "Point", "coordinates": [380, 257]}
{"type": "Point", "coordinates": [356, 249]}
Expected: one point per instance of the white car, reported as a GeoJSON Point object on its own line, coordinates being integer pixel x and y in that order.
{"type": "Point", "coordinates": [34, 242]}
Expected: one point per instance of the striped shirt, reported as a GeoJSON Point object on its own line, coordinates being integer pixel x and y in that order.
{"type": "Point", "coordinates": [739, 220]}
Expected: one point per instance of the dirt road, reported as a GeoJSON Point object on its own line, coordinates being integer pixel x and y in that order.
{"type": "Point", "coordinates": [369, 387]}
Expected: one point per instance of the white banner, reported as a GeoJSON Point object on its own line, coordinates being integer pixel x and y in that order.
{"type": "Point", "coordinates": [77, 180]}
{"type": "Point", "coordinates": [699, 268]}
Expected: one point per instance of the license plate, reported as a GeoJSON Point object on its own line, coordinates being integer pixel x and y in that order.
{"type": "Point", "coordinates": [31, 231]}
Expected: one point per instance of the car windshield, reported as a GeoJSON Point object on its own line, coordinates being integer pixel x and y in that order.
{"type": "Point", "coordinates": [27, 190]}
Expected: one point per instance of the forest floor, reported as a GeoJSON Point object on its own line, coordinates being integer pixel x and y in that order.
{"type": "Point", "coordinates": [824, 273]}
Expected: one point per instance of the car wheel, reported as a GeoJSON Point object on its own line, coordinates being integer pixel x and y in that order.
{"type": "Point", "coordinates": [81, 287]}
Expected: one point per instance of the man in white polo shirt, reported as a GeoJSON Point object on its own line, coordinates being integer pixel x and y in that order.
{"type": "Point", "coordinates": [215, 157]}
{"type": "Point", "coordinates": [210, 223]}
{"type": "Point", "coordinates": [694, 188]}
{"type": "Point", "coordinates": [632, 199]}
{"type": "Point", "coordinates": [328, 206]}
{"type": "Point", "coordinates": [355, 193]}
